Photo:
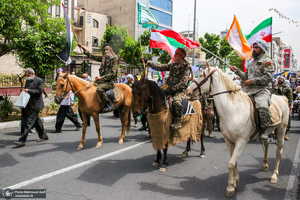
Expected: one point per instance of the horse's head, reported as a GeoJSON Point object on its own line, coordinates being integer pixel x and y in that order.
{"type": "Point", "coordinates": [203, 83]}
{"type": "Point", "coordinates": [140, 96]}
{"type": "Point", "coordinates": [63, 87]}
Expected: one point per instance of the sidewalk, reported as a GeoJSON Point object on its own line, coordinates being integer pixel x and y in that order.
{"type": "Point", "coordinates": [13, 124]}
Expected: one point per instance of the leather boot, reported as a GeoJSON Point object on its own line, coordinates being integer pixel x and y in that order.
{"type": "Point", "coordinates": [109, 106]}
{"type": "Point", "coordinates": [177, 124]}
{"type": "Point", "coordinates": [263, 134]}
{"type": "Point", "coordinates": [210, 134]}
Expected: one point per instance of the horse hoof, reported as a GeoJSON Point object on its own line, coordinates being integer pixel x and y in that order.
{"type": "Point", "coordinates": [273, 179]}
{"type": "Point", "coordinates": [155, 164]}
{"type": "Point", "coordinates": [120, 142]}
{"type": "Point", "coordinates": [79, 148]}
{"type": "Point", "coordinates": [265, 168]}
{"type": "Point", "coordinates": [162, 169]}
{"type": "Point", "coordinates": [98, 146]}
{"type": "Point", "coordinates": [202, 155]}
{"type": "Point", "coordinates": [229, 193]}
{"type": "Point", "coordinates": [184, 154]}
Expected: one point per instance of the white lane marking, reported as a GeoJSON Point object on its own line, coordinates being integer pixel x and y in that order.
{"type": "Point", "coordinates": [49, 175]}
{"type": "Point", "coordinates": [292, 187]}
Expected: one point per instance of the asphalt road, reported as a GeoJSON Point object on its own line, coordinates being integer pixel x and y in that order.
{"type": "Point", "coordinates": [125, 172]}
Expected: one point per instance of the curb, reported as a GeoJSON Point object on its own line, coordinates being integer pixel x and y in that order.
{"type": "Point", "coordinates": [14, 124]}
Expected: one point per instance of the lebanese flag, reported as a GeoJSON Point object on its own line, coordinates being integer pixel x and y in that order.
{"type": "Point", "coordinates": [169, 41]}
{"type": "Point", "coordinates": [262, 31]}
{"type": "Point", "coordinates": [64, 55]}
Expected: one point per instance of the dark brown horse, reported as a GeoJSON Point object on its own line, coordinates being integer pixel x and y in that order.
{"type": "Point", "coordinates": [89, 103]}
{"type": "Point", "coordinates": [146, 93]}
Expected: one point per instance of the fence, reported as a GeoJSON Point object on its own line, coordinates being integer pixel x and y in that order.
{"type": "Point", "coordinates": [13, 81]}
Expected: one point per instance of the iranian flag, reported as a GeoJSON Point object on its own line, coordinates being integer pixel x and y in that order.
{"type": "Point", "coordinates": [160, 74]}
{"type": "Point", "coordinates": [262, 31]}
{"type": "Point", "coordinates": [169, 41]}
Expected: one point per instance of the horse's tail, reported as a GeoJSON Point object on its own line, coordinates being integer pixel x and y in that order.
{"type": "Point", "coordinates": [129, 119]}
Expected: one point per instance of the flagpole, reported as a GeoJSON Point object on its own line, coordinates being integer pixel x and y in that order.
{"type": "Point", "coordinates": [194, 33]}
{"type": "Point", "coordinates": [142, 50]}
{"type": "Point", "coordinates": [215, 56]}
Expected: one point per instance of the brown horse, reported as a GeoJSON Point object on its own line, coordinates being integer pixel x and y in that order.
{"type": "Point", "coordinates": [89, 103]}
{"type": "Point", "coordinates": [146, 93]}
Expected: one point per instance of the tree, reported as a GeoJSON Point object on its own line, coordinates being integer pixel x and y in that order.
{"type": "Point", "coordinates": [164, 57]}
{"type": "Point", "coordinates": [210, 42]}
{"type": "Point", "coordinates": [116, 37]}
{"type": "Point", "coordinates": [236, 60]}
{"type": "Point", "coordinates": [39, 48]}
{"type": "Point", "coordinates": [16, 16]}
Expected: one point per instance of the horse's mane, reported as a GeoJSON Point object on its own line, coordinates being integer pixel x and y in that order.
{"type": "Point", "coordinates": [231, 85]}
{"type": "Point", "coordinates": [80, 80]}
{"type": "Point", "coordinates": [154, 89]}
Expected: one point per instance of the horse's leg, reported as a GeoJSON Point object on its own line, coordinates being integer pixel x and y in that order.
{"type": "Point", "coordinates": [156, 162]}
{"type": "Point", "coordinates": [124, 120]}
{"type": "Point", "coordinates": [97, 123]}
{"type": "Point", "coordinates": [202, 154]}
{"type": "Point", "coordinates": [187, 149]}
{"type": "Point", "coordinates": [265, 166]}
{"type": "Point", "coordinates": [280, 144]}
{"type": "Point", "coordinates": [235, 151]}
{"type": "Point", "coordinates": [163, 167]}
{"type": "Point", "coordinates": [84, 127]}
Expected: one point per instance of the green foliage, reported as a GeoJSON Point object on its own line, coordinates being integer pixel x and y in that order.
{"type": "Point", "coordinates": [131, 53]}
{"type": "Point", "coordinates": [164, 57]}
{"type": "Point", "coordinates": [16, 16]}
{"type": "Point", "coordinates": [115, 36]}
{"type": "Point", "coordinates": [236, 60]}
{"type": "Point", "coordinates": [38, 50]}
{"type": "Point", "coordinates": [210, 42]}
{"type": "Point", "coordinates": [6, 106]}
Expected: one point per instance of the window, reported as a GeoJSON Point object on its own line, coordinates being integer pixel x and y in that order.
{"type": "Point", "coordinates": [49, 11]}
{"type": "Point", "coordinates": [162, 17]}
{"type": "Point", "coordinates": [94, 42]}
{"type": "Point", "coordinates": [66, 5]}
{"type": "Point", "coordinates": [95, 23]}
{"type": "Point", "coordinates": [57, 13]}
{"type": "Point", "coordinates": [163, 4]}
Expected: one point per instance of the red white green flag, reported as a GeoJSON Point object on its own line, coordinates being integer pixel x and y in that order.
{"type": "Point", "coordinates": [160, 74]}
{"type": "Point", "coordinates": [262, 31]}
{"type": "Point", "coordinates": [169, 41]}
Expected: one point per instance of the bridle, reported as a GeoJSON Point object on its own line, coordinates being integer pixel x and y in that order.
{"type": "Point", "coordinates": [64, 94]}
{"type": "Point", "coordinates": [211, 83]}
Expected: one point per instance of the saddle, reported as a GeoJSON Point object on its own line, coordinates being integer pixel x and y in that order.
{"type": "Point", "coordinates": [275, 117]}
{"type": "Point", "coordinates": [187, 107]}
{"type": "Point", "coordinates": [113, 94]}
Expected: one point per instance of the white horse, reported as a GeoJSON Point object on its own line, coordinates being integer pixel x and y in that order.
{"type": "Point", "coordinates": [236, 119]}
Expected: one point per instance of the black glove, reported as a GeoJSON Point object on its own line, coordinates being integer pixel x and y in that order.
{"type": "Point", "coordinates": [145, 60]}
{"type": "Point", "coordinates": [168, 91]}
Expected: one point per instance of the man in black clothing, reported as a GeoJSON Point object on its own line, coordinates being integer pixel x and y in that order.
{"type": "Point", "coordinates": [34, 86]}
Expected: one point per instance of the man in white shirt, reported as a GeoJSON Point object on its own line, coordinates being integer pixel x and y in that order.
{"type": "Point", "coordinates": [64, 111]}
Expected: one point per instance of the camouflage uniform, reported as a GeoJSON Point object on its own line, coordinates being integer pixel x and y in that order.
{"type": "Point", "coordinates": [108, 71]}
{"type": "Point", "coordinates": [207, 113]}
{"type": "Point", "coordinates": [178, 82]}
{"type": "Point", "coordinates": [285, 90]}
{"type": "Point", "coordinates": [261, 71]}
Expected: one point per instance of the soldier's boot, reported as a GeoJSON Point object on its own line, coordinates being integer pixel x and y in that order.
{"type": "Point", "coordinates": [211, 134]}
{"type": "Point", "coordinates": [109, 106]}
{"type": "Point", "coordinates": [177, 124]}
{"type": "Point", "coordinates": [286, 138]}
{"type": "Point", "coordinates": [263, 134]}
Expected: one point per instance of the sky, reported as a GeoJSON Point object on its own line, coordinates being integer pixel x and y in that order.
{"type": "Point", "coordinates": [214, 16]}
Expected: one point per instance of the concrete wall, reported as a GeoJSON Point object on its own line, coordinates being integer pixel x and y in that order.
{"type": "Point", "coordinates": [9, 65]}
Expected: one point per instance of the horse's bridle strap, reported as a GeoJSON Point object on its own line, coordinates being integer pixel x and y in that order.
{"type": "Point", "coordinates": [228, 91]}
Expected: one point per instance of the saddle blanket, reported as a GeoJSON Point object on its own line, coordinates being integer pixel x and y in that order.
{"type": "Point", "coordinates": [114, 94]}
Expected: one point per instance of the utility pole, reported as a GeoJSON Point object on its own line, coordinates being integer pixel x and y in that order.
{"type": "Point", "coordinates": [194, 32]}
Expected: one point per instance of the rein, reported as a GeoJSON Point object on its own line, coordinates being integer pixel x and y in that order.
{"type": "Point", "coordinates": [164, 101]}
{"type": "Point", "coordinates": [211, 83]}
{"type": "Point", "coordinates": [69, 82]}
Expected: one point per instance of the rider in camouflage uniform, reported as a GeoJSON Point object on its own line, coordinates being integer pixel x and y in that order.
{"type": "Point", "coordinates": [207, 113]}
{"type": "Point", "coordinates": [177, 81]}
{"type": "Point", "coordinates": [108, 74]}
{"type": "Point", "coordinates": [257, 82]}
{"type": "Point", "coordinates": [282, 89]}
